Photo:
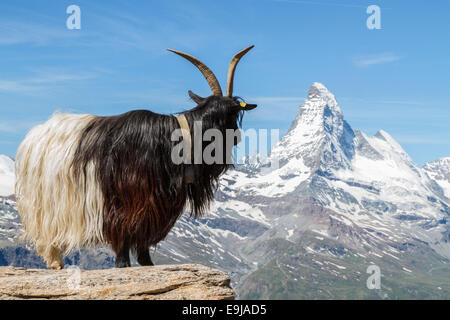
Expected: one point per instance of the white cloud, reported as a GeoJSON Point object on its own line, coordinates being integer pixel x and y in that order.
{"type": "Point", "coordinates": [389, 102]}
{"type": "Point", "coordinates": [13, 33]}
{"type": "Point", "coordinates": [16, 86]}
{"type": "Point", "coordinates": [322, 3]}
{"type": "Point", "coordinates": [41, 78]}
{"type": "Point", "coordinates": [374, 59]}
{"type": "Point", "coordinates": [412, 139]}
{"type": "Point", "coordinates": [61, 77]}
{"type": "Point", "coordinates": [274, 108]}
{"type": "Point", "coordinates": [296, 100]}
{"type": "Point", "coordinates": [17, 126]}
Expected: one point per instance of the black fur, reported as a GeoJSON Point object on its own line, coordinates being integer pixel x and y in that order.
{"type": "Point", "coordinates": [144, 191]}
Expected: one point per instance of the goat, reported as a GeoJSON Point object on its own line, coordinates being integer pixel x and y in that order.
{"type": "Point", "coordinates": [84, 180]}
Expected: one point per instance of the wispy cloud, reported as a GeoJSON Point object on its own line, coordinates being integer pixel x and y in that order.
{"type": "Point", "coordinates": [380, 58]}
{"type": "Point", "coordinates": [152, 35]}
{"type": "Point", "coordinates": [322, 3]}
{"type": "Point", "coordinates": [412, 139]}
{"type": "Point", "coordinates": [9, 142]}
{"type": "Point", "coordinates": [13, 33]}
{"type": "Point", "coordinates": [17, 126]}
{"type": "Point", "coordinates": [275, 108]}
{"type": "Point", "coordinates": [402, 102]}
{"type": "Point", "coordinates": [16, 86]}
{"type": "Point", "coordinates": [297, 100]}
{"type": "Point", "coordinates": [389, 102]}
{"type": "Point", "coordinates": [41, 80]}
{"type": "Point", "coordinates": [51, 76]}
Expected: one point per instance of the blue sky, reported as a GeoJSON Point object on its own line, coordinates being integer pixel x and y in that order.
{"type": "Point", "coordinates": [395, 79]}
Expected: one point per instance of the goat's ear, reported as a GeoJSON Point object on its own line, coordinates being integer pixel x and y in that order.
{"type": "Point", "coordinates": [197, 99]}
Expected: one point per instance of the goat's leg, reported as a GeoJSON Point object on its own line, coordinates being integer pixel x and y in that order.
{"type": "Point", "coordinates": [123, 256]}
{"type": "Point", "coordinates": [51, 255]}
{"type": "Point", "coordinates": [143, 257]}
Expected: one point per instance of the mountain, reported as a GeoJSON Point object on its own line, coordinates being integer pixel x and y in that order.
{"type": "Point", "coordinates": [6, 176]}
{"type": "Point", "coordinates": [439, 171]}
{"type": "Point", "coordinates": [309, 219]}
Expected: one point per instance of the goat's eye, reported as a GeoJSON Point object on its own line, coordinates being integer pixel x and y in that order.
{"type": "Point", "coordinates": [243, 104]}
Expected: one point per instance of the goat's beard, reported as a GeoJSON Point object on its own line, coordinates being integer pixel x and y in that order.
{"type": "Point", "coordinates": [201, 192]}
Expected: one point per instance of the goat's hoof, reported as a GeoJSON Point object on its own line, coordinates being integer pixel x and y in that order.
{"type": "Point", "coordinates": [56, 265]}
{"type": "Point", "coordinates": [121, 264]}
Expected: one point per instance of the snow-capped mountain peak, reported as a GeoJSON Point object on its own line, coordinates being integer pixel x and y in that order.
{"type": "Point", "coordinates": [318, 110]}
{"type": "Point", "coordinates": [318, 135]}
{"type": "Point", "coordinates": [6, 164]}
{"type": "Point", "coordinates": [6, 176]}
{"type": "Point", "coordinates": [318, 91]}
{"type": "Point", "coordinates": [361, 178]}
{"type": "Point", "coordinates": [383, 135]}
{"type": "Point", "coordinates": [439, 171]}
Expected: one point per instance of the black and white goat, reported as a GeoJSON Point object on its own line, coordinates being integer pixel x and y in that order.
{"type": "Point", "coordinates": [84, 180]}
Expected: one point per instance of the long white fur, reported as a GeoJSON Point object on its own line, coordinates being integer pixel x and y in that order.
{"type": "Point", "coordinates": [60, 212]}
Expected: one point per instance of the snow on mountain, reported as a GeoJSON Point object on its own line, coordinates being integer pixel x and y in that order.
{"type": "Point", "coordinates": [439, 171]}
{"type": "Point", "coordinates": [391, 177]}
{"type": "Point", "coordinates": [337, 184]}
{"type": "Point", "coordinates": [366, 180]}
{"type": "Point", "coordinates": [309, 144]}
{"type": "Point", "coordinates": [342, 184]}
{"type": "Point", "coordinates": [316, 132]}
{"type": "Point", "coordinates": [6, 176]}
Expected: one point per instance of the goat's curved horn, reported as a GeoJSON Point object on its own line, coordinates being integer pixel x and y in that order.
{"type": "Point", "coordinates": [232, 69]}
{"type": "Point", "coordinates": [207, 73]}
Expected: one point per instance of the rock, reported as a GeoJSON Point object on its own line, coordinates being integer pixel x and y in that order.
{"type": "Point", "coordinates": [178, 282]}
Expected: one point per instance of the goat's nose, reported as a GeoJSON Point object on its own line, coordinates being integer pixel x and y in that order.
{"type": "Point", "coordinates": [250, 106]}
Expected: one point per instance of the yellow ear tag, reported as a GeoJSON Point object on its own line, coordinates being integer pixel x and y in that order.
{"type": "Point", "coordinates": [243, 104]}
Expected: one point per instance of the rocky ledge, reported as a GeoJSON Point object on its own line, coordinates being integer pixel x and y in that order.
{"type": "Point", "coordinates": [178, 282]}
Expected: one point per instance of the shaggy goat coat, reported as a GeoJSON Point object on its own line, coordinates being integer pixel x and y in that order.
{"type": "Point", "coordinates": [84, 180]}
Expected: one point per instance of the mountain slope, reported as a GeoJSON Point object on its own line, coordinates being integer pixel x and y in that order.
{"type": "Point", "coordinates": [439, 171]}
{"type": "Point", "coordinates": [6, 176]}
